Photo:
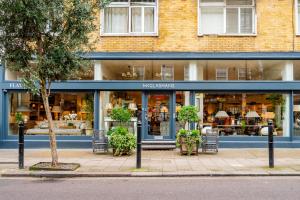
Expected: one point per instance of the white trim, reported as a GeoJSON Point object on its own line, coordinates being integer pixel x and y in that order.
{"type": "Point", "coordinates": [130, 33]}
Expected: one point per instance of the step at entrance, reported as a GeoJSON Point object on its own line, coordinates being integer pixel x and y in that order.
{"type": "Point", "coordinates": [158, 145]}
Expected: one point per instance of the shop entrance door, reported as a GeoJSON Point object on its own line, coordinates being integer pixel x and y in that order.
{"type": "Point", "coordinates": [158, 115]}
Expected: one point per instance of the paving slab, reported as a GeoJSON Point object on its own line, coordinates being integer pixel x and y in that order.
{"type": "Point", "coordinates": [228, 162]}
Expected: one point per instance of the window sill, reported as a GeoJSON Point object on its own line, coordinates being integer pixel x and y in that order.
{"type": "Point", "coordinates": [128, 34]}
{"type": "Point", "coordinates": [228, 35]}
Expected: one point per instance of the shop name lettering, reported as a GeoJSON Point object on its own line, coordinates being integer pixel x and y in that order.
{"type": "Point", "coordinates": [15, 85]}
{"type": "Point", "coordinates": [159, 85]}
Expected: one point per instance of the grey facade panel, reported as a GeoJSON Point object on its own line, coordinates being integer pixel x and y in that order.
{"type": "Point", "coordinates": [192, 55]}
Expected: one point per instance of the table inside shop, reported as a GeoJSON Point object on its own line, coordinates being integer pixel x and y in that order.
{"type": "Point", "coordinates": [233, 129]}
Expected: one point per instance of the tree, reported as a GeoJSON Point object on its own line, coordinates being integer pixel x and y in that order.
{"type": "Point", "coordinates": [43, 40]}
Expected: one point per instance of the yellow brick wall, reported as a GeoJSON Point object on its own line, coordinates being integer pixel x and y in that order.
{"type": "Point", "coordinates": [178, 31]}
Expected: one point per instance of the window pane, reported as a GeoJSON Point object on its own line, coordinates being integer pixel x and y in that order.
{"type": "Point", "coordinates": [212, 20]}
{"type": "Point", "coordinates": [116, 20]}
{"type": "Point", "coordinates": [131, 100]}
{"type": "Point", "coordinates": [232, 20]}
{"type": "Point", "coordinates": [246, 20]}
{"type": "Point", "coordinates": [149, 19]}
{"type": "Point", "coordinates": [244, 114]}
{"type": "Point", "coordinates": [221, 74]}
{"type": "Point", "coordinates": [136, 19]}
{"type": "Point", "coordinates": [239, 2]}
{"type": "Point", "coordinates": [72, 113]}
{"type": "Point", "coordinates": [299, 19]}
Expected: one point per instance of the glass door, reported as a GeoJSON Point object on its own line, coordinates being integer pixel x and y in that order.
{"type": "Point", "coordinates": [158, 116]}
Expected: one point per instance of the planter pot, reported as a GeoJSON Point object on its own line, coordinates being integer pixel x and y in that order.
{"type": "Point", "coordinates": [184, 147]}
{"type": "Point", "coordinates": [124, 153]}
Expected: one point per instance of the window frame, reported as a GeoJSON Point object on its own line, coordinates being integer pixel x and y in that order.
{"type": "Point", "coordinates": [224, 6]}
{"type": "Point", "coordinates": [129, 6]}
{"type": "Point", "coordinates": [297, 28]}
{"type": "Point", "coordinates": [221, 69]}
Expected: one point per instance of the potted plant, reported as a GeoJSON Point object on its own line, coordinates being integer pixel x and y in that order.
{"type": "Point", "coordinates": [121, 140]}
{"type": "Point", "coordinates": [188, 140]}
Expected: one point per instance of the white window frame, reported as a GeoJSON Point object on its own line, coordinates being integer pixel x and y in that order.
{"type": "Point", "coordinates": [247, 73]}
{"type": "Point", "coordinates": [297, 28]}
{"type": "Point", "coordinates": [129, 6]}
{"type": "Point", "coordinates": [254, 24]}
{"type": "Point", "coordinates": [221, 68]}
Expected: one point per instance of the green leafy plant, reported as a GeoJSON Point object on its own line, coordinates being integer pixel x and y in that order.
{"type": "Point", "coordinates": [121, 115]}
{"type": "Point", "coordinates": [188, 114]}
{"type": "Point", "coordinates": [19, 117]}
{"type": "Point", "coordinates": [42, 39]}
{"type": "Point", "coordinates": [190, 139]}
{"type": "Point", "coordinates": [89, 107]}
{"type": "Point", "coordinates": [243, 125]}
{"type": "Point", "coordinates": [122, 141]}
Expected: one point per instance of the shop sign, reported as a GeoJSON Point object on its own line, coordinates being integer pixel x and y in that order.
{"type": "Point", "coordinates": [158, 85]}
{"type": "Point", "coordinates": [15, 85]}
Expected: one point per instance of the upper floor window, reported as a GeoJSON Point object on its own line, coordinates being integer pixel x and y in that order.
{"type": "Point", "coordinates": [130, 17]}
{"type": "Point", "coordinates": [298, 16]}
{"type": "Point", "coordinates": [221, 74]}
{"type": "Point", "coordinates": [236, 17]}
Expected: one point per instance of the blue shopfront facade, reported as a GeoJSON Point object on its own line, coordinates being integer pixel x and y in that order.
{"type": "Point", "coordinates": [166, 87]}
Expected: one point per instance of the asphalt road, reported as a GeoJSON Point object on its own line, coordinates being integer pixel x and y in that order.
{"type": "Point", "coordinates": [151, 188]}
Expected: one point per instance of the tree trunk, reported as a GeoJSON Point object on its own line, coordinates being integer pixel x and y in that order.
{"type": "Point", "coordinates": [52, 136]}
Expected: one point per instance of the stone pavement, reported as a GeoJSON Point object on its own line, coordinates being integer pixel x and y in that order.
{"type": "Point", "coordinates": [228, 162]}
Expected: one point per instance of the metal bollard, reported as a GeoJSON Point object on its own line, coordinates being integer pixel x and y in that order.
{"type": "Point", "coordinates": [21, 145]}
{"type": "Point", "coordinates": [271, 144]}
{"type": "Point", "coordinates": [139, 146]}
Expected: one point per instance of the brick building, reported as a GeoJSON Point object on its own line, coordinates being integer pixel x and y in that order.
{"type": "Point", "coordinates": [236, 60]}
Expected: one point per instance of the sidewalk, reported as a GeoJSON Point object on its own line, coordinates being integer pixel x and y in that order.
{"type": "Point", "coordinates": [228, 162]}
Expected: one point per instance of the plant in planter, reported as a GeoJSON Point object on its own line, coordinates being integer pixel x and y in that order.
{"type": "Point", "coordinates": [188, 140]}
{"type": "Point", "coordinates": [122, 141]}
{"type": "Point", "coordinates": [121, 115]}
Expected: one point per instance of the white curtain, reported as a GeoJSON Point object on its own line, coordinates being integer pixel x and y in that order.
{"type": "Point", "coordinates": [116, 20]}
{"type": "Point", "coordinates": [232, 20]}
{"type": "Point", "coordinates": [298, 31]}
{"type": "Point", "coordinates": [246, 20]}
{"type": "Point", "coordinates": [212, 20]}
{"type": "Point", "coordinates": [136, 19]}
{"type": "Point", "coordinates": [149, 19]}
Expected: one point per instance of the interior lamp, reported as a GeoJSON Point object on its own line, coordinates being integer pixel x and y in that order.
{"type": "Point", "coordinates": [221, 114]}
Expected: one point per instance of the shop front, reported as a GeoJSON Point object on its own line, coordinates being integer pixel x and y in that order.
{"type": "Point", "coordinates": [233, 95]}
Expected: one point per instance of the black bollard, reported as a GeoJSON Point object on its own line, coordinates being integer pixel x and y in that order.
{"type": "Point", "coordinates": [271, 144]}
{"type": "Point", "coordinates": [139, 146]}
{"type": "Point", "coordinates": [21, 145]}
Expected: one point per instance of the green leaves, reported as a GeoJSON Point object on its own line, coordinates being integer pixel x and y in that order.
{"type": "Point", "coordinates": [188, 114]}
{"type": "Point", "coordinates": [122, 141]}
{"type": "Point", "coordinates": [120, 115]}
{"type": "Point", "coordinates": [50, 32]}
{"type": "Point", "coordinates": [190, 139]}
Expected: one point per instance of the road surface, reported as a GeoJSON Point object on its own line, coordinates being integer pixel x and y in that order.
{"type": "Point", "coordinates": [186, 188]}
